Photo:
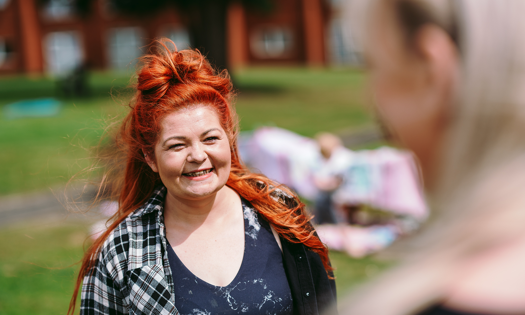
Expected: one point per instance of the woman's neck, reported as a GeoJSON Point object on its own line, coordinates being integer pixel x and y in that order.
{"type": "Point", "coordinates": [212, 210]}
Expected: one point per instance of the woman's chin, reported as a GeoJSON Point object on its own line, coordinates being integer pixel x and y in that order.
{"type": "Point", "coordinates": [203, 192]}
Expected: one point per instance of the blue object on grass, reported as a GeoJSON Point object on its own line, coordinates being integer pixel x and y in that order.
{"type": "Point", "coordinates": [42, 107]}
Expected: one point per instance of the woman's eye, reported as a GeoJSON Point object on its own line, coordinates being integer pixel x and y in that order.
{"type": "Point", "coordinates": [211, 139]}
{"type": "Point", "coordinates": [176, 146]}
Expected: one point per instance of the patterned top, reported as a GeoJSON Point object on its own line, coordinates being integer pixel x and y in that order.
{"type": "Point", "coordinates": [260, 286]}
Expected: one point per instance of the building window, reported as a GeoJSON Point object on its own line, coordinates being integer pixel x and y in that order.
{"type": "Point", "coordinates": [178, 35]}
{"type": "Point", "coordinates": [3, 4]}
{"type": "Point", "coordinates": [59, 9]}
{"type": "Point", "coordinates": [342, 46]}
{"type": "Point", "coordinates": [63, 52]}
{"type": "Point", "coordinates": [6, 52]}
{"type": "Point", "coordinates": [124, 46]}
{"type": "Point", "coordinates": [271, 42]}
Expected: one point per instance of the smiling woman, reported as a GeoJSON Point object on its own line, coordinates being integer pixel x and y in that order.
{"type": "Point", "coordinates": [193, 153]}
{"type": "Point", "coordinates": [196, 232]}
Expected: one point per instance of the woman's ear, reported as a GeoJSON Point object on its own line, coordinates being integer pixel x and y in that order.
{"type": "Point", "coordinates": [440, 56]}
{"type": "Point", "coordinates": [440, 60]}
{"type": "Point", "coordinates": [151, 163]}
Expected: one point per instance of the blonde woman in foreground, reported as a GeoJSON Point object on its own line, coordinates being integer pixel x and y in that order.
{"type": "Point", "coordinates": [449, 82]}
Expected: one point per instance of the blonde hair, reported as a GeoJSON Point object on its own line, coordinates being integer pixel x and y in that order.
{"type": "Point", "coordinates": [484, 154]}
{"type": "Point", "coordinates": [479, 201]}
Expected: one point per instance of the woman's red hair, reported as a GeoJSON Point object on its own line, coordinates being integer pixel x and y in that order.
{"type": "Point", "coordinates": [167, 81]}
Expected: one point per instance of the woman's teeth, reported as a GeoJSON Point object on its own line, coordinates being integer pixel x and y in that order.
{"type": "Point", "coordinates": [197, 174]}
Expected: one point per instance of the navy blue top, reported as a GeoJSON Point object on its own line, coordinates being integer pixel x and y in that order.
{"type": "Point", "coordinates": [260, 286]}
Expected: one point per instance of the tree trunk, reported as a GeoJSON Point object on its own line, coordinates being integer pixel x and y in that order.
{"type": "Point", "coordinates": [208, 31]}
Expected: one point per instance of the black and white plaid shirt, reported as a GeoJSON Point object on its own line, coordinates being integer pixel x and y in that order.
{"type": "Point", "coordinates": [132, 273]}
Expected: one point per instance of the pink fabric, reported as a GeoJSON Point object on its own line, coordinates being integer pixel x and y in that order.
{"type": "Point", "coordinates": [386, 179]}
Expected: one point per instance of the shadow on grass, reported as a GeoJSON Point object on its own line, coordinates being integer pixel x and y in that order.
{"type": "Point", "coordinates": [21, 88]}
{"type": "Point", "coordinates": [97, 85]}
{"type": "Point", "coordinates": [52, 90]}
{"type": "Point", "coordinates": [252, 89]}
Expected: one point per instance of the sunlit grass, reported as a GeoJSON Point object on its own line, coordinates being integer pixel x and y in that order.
{"type": "Point", "coordinates": [36, 267]}
{"type": "Point", "coordinates": [42, 152]}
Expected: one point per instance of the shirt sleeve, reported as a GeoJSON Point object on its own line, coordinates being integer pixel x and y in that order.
{"type": "Point", "coordinates": [100, 294]}
{"type": "Point", "coordinates": [102, 291]}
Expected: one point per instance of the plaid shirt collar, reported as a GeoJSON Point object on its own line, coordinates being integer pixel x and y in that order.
{"type": "Point", "coordinates": [154, 203]}
{"type": "Point", "coordinates": [132, 273]}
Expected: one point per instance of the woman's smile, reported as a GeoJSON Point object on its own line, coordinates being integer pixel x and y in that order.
{"type": "Point", "coordinates": [199, 174]}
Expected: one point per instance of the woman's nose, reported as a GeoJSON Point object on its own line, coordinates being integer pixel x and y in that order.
{"type": "Point", "coordinates": [197, 154]}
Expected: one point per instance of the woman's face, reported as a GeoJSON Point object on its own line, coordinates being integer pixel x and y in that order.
{"type": "Point", "coordinates": [412, 89]}
{"type": "Point", "coordinates": [192, 155]}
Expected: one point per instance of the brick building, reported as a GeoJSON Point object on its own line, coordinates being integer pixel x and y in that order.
{"type": "Point", "coordinates": [49, 37]}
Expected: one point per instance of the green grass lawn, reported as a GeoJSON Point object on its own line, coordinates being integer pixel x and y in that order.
{"type": "Point", "coordinates": [37, 272]}
{"type": "Point", "coordinates": [35, 277]}
{"type": "Point", "coordinates": [43, 152]}
{"type": "Point", "coordinates": [302, 100]}
{"type": "Point", "coordinates": [37, 153]}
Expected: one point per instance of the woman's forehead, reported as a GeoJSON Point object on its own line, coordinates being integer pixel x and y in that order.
{"type": "Point", "coordinates": [189, 122]}
{"type": "Point", "coordinates": [195, 115]}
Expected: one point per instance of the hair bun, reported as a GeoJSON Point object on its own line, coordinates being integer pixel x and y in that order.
{"type": "Point", "coordinates": [166, 68]}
